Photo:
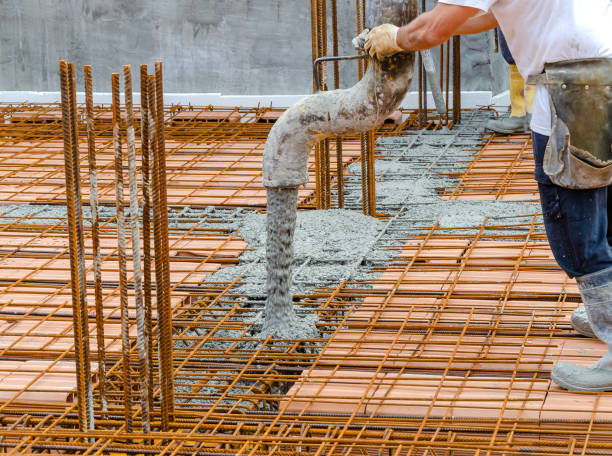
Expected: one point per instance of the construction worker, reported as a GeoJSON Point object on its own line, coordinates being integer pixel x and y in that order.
{"type": "Point", "coordinates": [521, 98]}
{"type": "Point", "coordinates": [571, 42]}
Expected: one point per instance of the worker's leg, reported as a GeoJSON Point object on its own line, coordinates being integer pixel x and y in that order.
{"type": "Point", "coordinates": [521, 94]}
{"type": "Point", "coordinates": [521, 98]}
{"type": "Point", "coordinates": [576, 224]}
{"type": "Point", "coordinates": [610, 216]}
{"type": "Point", "coordinates": [518, 102]}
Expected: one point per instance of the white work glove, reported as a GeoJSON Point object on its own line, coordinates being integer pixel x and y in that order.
{"type": "Point", "coordinates": [382, 41]}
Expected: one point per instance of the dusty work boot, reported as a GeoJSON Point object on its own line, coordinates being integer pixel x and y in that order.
{"type": "Point", "coordinates": [596, 291]}
{"type": "Point", "coordinates": [521, 104]}
{"type": "Point", "coordinates": [580, 322]}
{"type": "Point", "coordinates": [582, 378]}
{"type": "Point", "coordinates": [509, 125]}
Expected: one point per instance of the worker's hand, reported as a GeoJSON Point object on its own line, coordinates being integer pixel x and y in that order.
{"type": "Point", "coordinates": [382, 41]}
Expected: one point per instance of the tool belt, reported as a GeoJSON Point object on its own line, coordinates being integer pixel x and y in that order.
{"type": "Point", "coordinates": [579, 152]}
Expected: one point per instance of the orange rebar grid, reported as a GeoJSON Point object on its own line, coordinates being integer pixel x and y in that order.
{"type": "Point", "coordinates": [448, 351]}
{"type": "Point", "coordinates": [214, 167]}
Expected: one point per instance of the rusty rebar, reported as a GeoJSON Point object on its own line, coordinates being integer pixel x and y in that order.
{"type": "Point", "coordinates": [368, 175]}
{"type": "Point", "coordinates": [141, 338]}
{"type": "Point", "coordinates": [314, 37]}
{"type": "Point", "coordinates": [76, 251]}
{"type": "Point", "coordinates": [322, 41]}
{"type": "Point", "coordinates": [364, 172]}
{"type": "Point", "coordinates": [84, 313]}
{"type": "Point", "coordinates": [95, 232]}
{"type": "Point", "coordinates": [339, 157]}
{"type": "Point", "coordinates": [371, 174]}
{"type": "Point", "coordinates": [121, 253]}
{"type": "Point", "coordinates": [162, 268]}
{"type": "Point", "coordinates": [363, 14]}
{"type": "Point", "coordinates": [228, 411]}
{"type": "Point", "coordinates": [145, 123]}
{"type": "Point", "coordinates": [420, 78]}
{"type": "Point", "coordinates": [323, 194]}
{"type": "Point", "coordinates": [456, 79]}
{"type": "Point", "coordinates": [340, 172]}
{"type": "Point", "coordinates": [359, 24]}
{"type": "Point", "coordinates": [318, 177]}
{"type": "Point", "coordinates": [423, 83]}
{"type": "Point", "coordinates": [326, 174]}
{"type": "Point", "coordinates": [447, 80]}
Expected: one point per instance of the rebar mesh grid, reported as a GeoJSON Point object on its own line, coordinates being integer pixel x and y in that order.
{"type": "Point", "coordinates": [35, 309]}
{"type": "Point", "coordinates": [213, 168]}
{"type": "Point", "coordinates": [502, 170]}
{"type": "Point", "coordinates": [447, 352]}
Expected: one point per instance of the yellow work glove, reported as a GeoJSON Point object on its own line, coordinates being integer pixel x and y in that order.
{"type": "Point", "coordinates": [382, 41]}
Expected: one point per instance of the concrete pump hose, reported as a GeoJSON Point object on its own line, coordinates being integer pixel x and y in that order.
{"type": "Point", "coordinates": [434, 81]}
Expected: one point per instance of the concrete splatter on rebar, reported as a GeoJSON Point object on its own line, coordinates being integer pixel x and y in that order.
{"type": "Point", "coordinates": [320, 116]}
{"type": "Point", "coordinates": [280, 318]}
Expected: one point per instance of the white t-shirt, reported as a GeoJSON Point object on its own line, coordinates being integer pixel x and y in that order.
{"type": "Point", "coordinates": [547, 31]}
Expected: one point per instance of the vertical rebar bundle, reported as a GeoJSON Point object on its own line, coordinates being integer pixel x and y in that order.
{"type": "Point", "coordinates": [319, 49]}
{"type": "Point", "coordinates": [154, 200]}
{"type": "Point", "coordinates": [162, 266]}
{"type": "Point", "coordinates": [323, 192]}
{"type": "Point", "coordinates": [95, 231]}
{"type": "Point", "coordinates": [145, 137]}
{"type": "Point", "coordinates": [77, 255]}
{"type": "Point", "coordinates": [322, 149]}
{"type": "Point", "coordinates": [141, 337]}
{"type": "Point", "coordinates": [121, 252]}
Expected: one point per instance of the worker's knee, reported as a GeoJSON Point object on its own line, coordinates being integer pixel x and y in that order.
{"type": "Point", "coordinates": [539, 149]}
{"type": "Point", "coordinates": [576, 226]}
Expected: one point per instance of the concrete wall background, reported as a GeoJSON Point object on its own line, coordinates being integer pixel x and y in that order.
{"type": "Point", "coordinates": [246, 47]}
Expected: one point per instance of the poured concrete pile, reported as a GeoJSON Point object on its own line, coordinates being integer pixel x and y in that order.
{"type": "Point", "coordinates": [328, 246]}
{"type": "Point", "coordinates": [410, 174]}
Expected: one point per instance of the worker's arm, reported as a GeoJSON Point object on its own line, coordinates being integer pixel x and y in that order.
{"type": "Point", "coordinates": [428, 30]}
{"type": "Point", "coordinates": [434, 27]}
{"type": "Point", "coordinates": [477, 24]}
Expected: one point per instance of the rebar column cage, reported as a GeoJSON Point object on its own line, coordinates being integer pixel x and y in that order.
{"type": "Point", "coordinates": [450, 73]}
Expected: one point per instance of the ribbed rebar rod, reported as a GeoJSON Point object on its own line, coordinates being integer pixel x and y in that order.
{"type": "Point", "coordinates": [322, 41]}
{"type": "Point", "coordinates": [363, 16]}
{"type": "Point", "coordinates": [75, 233]}
{"type": "Point", "coordinates": [358, 20]}
{"type": "Point", "coordinates": [334, 12]}
{"type": "Point", "coordinates": [314, 37]}
{"type": "Point", "coordinates": [123, 286]}
{"type": "Point", "coordinates": [447, 80]}
{"type": "Point", "coordinates": [323, 155]}
{"type": "Point", "coordinates": [84, 312]}
{"type": "Point", "coordinates": [95, 231]}
{"type": "Point", "coordinates": [340, 172]}
{"type": "Point", "coordinates": [326, 177]}
{"type": "Point", "coordinates": [141, 339]}
{"type": "Point", "coordinates": [456, 79]}
{"type": "Point", "coordinates": [162, 268]}
{"type": "Point", "coordinates": [339, 157]}
{"type": "Point", "coordinates": [371, 173]}
{"type": "Point", "coordinates": [364, 172]}
{"type": "Point", "coordinates": [145, 123]}
{"type": "Point", "coordinates": [423, 83]}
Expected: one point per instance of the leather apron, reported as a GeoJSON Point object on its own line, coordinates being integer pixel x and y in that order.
{"type": "Point", "coordinates": [579, 152]}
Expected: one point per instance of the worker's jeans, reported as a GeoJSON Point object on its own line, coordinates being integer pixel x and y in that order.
{"type": "Point", "coordinates": [576, 221]}
{"type": "Point", "coordinates": [505, 50]}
